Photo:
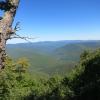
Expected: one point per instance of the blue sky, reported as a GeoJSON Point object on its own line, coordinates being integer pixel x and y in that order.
{"type": "Point", "coordinates": [59, 19]}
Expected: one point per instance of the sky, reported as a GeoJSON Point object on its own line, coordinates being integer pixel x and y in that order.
{"type": "Point", "coordinates": [52, 20]}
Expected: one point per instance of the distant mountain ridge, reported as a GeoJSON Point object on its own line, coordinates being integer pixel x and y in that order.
{"type": "Point", "coordinates": [43, 46]}
{"type": "Point", "coordinates": [72, 51]}
{"type": "Point", "coordinates": [52, 56]}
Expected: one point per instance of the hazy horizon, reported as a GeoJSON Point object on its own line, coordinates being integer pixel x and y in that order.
{"type": "Point", "coordinates": [10, 42]}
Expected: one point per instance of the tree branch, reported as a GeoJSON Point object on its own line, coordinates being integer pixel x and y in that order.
{"type": "Point", "coordinates": [17, 27]}
{"type": "Point", "coordinates": [24, 38]}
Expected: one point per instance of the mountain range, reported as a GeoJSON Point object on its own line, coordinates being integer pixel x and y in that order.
{"type": "Point", "coordinates": [50, 57]}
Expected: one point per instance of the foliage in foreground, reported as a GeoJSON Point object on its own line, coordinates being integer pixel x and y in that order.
{"type": "Point", "coordinates": [83, 83]}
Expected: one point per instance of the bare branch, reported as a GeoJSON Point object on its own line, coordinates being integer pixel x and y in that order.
{"type": "Point", "coordinates": [24, 38]}
{"type": "Point", "coordinates": [14, 35]}
{"type": "Point", "coordinates": [17, 27]}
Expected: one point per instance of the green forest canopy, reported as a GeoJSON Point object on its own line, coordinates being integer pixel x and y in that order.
{"type": "Point", "coordinates": [83, 83]}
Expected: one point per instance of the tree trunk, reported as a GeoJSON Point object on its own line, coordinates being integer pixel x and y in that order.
{"type": "Point", "coordinates": [6, 27]}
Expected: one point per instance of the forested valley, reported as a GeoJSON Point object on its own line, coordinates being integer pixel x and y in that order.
{"type": "Point", "coordinates": [81, 83]}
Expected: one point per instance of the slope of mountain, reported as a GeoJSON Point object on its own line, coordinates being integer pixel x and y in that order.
{"type": "Point", "coordinates": [71, 52]}
{"type": "Point", "coordinates": [42, 47]}
{"type": "Point", "coordinates": [51, 57]}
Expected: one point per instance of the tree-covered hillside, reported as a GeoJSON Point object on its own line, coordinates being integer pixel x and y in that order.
{"type": "Point", "coordinates": [51, 57]}
{"type": "Point", "coordinates": [82, 83]}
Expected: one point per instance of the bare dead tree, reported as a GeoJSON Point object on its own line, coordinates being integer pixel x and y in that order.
{"type": "Point", "coordinates": [6, 31]}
